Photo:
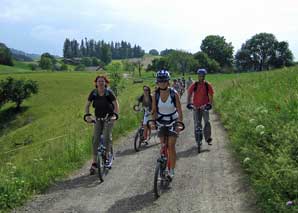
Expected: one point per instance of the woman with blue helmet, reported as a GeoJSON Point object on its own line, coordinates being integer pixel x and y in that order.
{"type": "Point", "coordinates": [166, 107]}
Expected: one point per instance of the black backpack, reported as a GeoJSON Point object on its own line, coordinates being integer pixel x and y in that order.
{"type": "Point", "coordinates": [107, 95]}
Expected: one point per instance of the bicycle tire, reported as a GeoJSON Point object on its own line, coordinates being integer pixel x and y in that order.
{"type": "Point", "coordinates": [137, 140]}
{"type": "Point", "coordinates": [158, 182]}
{"type": "Point", "coordinates": [99, 168]}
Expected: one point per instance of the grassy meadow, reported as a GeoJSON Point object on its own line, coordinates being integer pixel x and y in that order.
{"type": "Point", "coordinates": [260, 113]}
{"type": "Point", "coordinates": [48, 139]}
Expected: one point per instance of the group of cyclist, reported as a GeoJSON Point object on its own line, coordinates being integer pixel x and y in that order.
{"type": "Point", "coordinates": [163, 106]}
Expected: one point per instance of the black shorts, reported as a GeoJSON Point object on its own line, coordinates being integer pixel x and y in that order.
{"type": "Point", "coordinates": [166, 131]}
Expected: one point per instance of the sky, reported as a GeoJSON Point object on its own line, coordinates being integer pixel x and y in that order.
{"type": "Point", "coordinates": [36, 26]}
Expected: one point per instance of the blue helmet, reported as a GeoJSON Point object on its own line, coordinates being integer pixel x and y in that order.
{"type": "Point", "coordinates": [162, 75]}
{"type": "Point", "coordinates": [202, 72]}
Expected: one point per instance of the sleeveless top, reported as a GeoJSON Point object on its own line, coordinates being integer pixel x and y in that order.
{"type": "Point", "coordinates": [166, 110]}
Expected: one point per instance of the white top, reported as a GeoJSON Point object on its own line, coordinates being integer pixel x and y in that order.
{"type": "Point", "coordinates": [166, 108]}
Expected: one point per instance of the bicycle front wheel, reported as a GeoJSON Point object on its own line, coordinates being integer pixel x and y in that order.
{"type": "Point", "coordinates": [138, 140]}
{"type": "Point", "coordinates": [99, 167]}
{"type": "Point", "coordinates": [159, 180]}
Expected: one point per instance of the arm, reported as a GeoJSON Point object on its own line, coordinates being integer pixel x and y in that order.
{"type": "Point", "coordinates": [87, 106]}
{"type": "Point", "coordinates": [154, 112]}
{"type": "Point", "coordinates": [178, 107]}
{"type": "Point", "coordinates": [116, 106]}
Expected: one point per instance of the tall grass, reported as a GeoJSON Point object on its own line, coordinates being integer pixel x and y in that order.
{"type": "Point", "coordinates": [260, 112]}
{"type": "Point", "coordinates": [49, 139]}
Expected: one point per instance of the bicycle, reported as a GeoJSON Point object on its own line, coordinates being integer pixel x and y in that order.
{"type": "Point", "coordinates": [199, 130]}
{"type": "Point", "coordinates": [101, 158]}
{"type": "Point", "coordinates": [139, 136]}
{"type": "Point", "coordinates": [161, 176]}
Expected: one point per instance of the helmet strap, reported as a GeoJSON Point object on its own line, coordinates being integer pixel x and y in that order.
{"type": "Point", "coordinates": [164, 88]}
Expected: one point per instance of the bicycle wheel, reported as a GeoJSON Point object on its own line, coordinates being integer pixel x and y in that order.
{"type": "Point", "coordinates": [138, 140]}
{"type": "Point", "coordinates": [99, 167]}
{"type": "Point", "coordinates": [159, 180]}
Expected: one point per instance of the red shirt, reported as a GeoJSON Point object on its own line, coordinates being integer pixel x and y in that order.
{"type": "Point", "coordinates": [200, 96]}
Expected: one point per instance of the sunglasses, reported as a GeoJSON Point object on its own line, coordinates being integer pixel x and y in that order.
{"type": "Point", "coordinates": [146, 89]}
{"type": "Point", "coordinates": [162, 81]}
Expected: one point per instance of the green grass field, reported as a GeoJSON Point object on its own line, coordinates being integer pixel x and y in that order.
{"type": "Point", "coordinates": [48, 139]}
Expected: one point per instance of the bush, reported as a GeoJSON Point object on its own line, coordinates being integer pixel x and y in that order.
{"type": "Point", "coordinates": [33, 66]}
{"type": "Point", "coordinates": [5, 55]}
{"type": "Point", "coordinates": [16, 90]}
{"type": "Point", "coordinates": [80, 67]}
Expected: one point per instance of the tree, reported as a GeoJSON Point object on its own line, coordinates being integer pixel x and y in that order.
{"type": "Point", "coordinates": [181, 61]}
{"type": "Point", "coordinates": [153, 52]}
{"type": "Point", "coordinates": [106, 54]}
{"type": "Point", "coordinates": [67, 53]}
{"type": "Point", "coordinates": [166, 52]}
{"type": "Point", "coordinates": [217, 48]}
{"type": "Point", "coordinates": [5, 55]}
{"type": "Point", "coordinates": [159, 64]}
{"type": "Point", "coordinates": [47, 61]}
{"type": "Point", "coordinates": [17, 90]}
{"type": "Point", "coordinates": [204, 61]}
{"type": "Point", "coordinates": [282, 56]}
{"type": "Point", "coordinates": [263, 51]}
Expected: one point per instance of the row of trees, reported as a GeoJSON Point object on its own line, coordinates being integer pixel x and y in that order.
{"type": "Point", "coordinates": [12, 90]}
{"type": "Point", "coordinates": [261, 52]}
{"type": "Point", "coordinates": [5, 55]}
{"type": "Point", "coordinates": [101, 49]}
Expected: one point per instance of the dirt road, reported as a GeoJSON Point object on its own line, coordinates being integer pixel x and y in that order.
{"type": "Point", "coordinates": [211, 181]}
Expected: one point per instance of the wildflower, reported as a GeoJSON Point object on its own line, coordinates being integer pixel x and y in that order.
{"type": "Point", "coordinates": [264, 111]}
{"type": "Point", "coordinates": [252, 120]}
{"type": "Point", "coordinates": [260, 128]}
{"type": "Point", "coordinates": [246, 160]}
{"type": "Point", "coordinates": [290, 203]}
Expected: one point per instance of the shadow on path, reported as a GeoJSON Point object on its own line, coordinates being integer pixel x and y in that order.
{"type": "Point", "coordinates": [133, 204]}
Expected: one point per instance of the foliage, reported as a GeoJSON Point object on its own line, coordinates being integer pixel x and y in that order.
{"type": "Point", "coordinates": [217, 48]}
{"type": "Point", "coordinates": [153, 52]}
{"type": "Point", "coordinates": [80, 67]}
{"type": "Point", "coordinates": [5, 55]}
{"type": "Point", "coordinates": [260, 113]}
{"type": "Point", "coordinates": [101, 50]}
{"type": "Point", "coordinates": [166, 52]}
{"type": "Point", "coordinates": [16, 90]}
{"type": "Point", "coordinates": [263, 52]}
{"type": "Point", "coordinates": [47, 61]}
{"type": "Point", "coordinates": [53, 139]}
{"type": "Point", "coordinates": [211, 65]}
{"type": "Point", "coordinates": [181, 61]}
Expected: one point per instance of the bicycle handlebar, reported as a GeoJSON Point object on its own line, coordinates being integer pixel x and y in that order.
{"type": "Point", "coordinates": [111, 116]}
{"type": "Point", "coordinates": [178, 124]}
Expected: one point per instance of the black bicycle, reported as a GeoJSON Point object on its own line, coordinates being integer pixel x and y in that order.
{"type": "Point", "coordinates": [139, 136]}
{"type": "Point", "coordinates": [161, 176]}
{"type": "Point", "coordinates": [101, 157]}
{"type": "Point", "coordinates": [199, 130]}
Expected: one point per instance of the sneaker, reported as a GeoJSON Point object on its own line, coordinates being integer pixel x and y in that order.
{"type": "Point", "coordinates": [93, 168]}
{"type": "Point", "coordinates": [209, 140]}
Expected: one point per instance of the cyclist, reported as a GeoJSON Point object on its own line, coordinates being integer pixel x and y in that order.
{"type": "Point", "coordinates": [176, 85]}
{"type": "Point", "coordinates": [146, 100]}
{"type": "Point", "coordinates": [166, 107]}
{"type": "Point", "coordinates": [189, 82]}
{"type": "Point", "coordinates": [104, 102]}
{"type": "Point", "coordinates": [202, 93]}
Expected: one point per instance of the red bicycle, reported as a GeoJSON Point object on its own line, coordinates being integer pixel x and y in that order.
{"type": "Point", "coordinates": [161, 177]}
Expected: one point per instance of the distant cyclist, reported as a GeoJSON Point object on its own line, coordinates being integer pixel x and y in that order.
{"type": "Point", "coordinates": [189, 82]}
{"type": "Point", "coordinates": [104, 102]}
{"type": "Point", "coordinates": [166, 107]}
{"type": "Point", "coordinates": [202, 93]}
{"type": "Point", "coordinates": [146, 100]}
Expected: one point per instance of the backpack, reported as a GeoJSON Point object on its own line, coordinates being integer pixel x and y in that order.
{"type": "Point", "coordinates": [196, 87]}
{"type": "Point", "coordinates": [172, 94]}
{"type": "Point", "coordinates": [206, 85]}
{"type": "Point", "coordinates": [107, 95]}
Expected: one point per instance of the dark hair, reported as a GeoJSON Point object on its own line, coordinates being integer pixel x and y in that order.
{"type": "Point", "coordinates": [147, 88]}
{"type": "Point", "coordinates": [101, 76]}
